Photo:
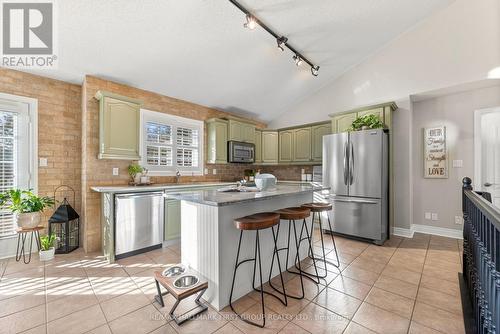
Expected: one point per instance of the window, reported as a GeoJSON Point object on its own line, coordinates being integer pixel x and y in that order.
{"type": "Point", "coordinates": [17, 151]}
{"type": "Point", "coordinates": [171, 144]}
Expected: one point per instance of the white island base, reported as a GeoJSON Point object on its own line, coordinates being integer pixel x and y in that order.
{"type": "Point", "coordinates": [210, 242]}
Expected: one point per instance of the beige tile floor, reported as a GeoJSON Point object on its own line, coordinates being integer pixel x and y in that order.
{"type": "Point", "coordinates": [405, 286]}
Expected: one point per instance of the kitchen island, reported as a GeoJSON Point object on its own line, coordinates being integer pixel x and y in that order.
{"type": "Point", "coordinates": [210, 239]}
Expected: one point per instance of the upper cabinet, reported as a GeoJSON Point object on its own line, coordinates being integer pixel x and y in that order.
{"type": "Point", "coordinates": [286, 146]}
{"type": "Point", "coordinates": [258, 146]}
{"type": "Point", "coordinates": [343, 121]}
{"type": "Point", "coordinates": [217, 137]}
{"type": "Point", "coordinates": [119, 124]}
{"type": "Point", "coordinates": [270, 147]}
{"type": "Point", "coordinates": [317, 133]}
{"type": "Point", "coordinates": [240, 131]}
{"type": "Point", "coordinates": [302, 145]}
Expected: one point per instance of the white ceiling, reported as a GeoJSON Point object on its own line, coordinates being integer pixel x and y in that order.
{"type": "Point", "coordinates": [198, 50]}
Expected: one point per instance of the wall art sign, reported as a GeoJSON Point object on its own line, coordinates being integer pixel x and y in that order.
{"type": "Point", "coordinates": [435, 154]}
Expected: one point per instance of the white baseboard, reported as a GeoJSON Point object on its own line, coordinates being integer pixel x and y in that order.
{"type": "Point", "coordinates": [402, 232]}
{"type": "Point", "coordinates": [426, 229]}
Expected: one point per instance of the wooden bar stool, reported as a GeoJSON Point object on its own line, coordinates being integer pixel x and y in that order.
{"type": "Point", "coordinates": [292, 214]}
{"type": "Point", "coordinates": [319, 208]}
{"type": "Point", "coordinates": [256, 222]}
{"type": "Point", "coordinates": [21, 240]}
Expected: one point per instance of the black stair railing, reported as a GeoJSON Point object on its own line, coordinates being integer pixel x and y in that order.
{"type": "Point", "coordinates": [481, 262]}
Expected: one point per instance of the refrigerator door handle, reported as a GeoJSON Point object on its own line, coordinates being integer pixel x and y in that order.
{"type": "Point", "coordinates": [364, 201]}
{"type": "Point", "coordinates": [351, 164]}
{"type": "Point", "coordinates": [345, 163]}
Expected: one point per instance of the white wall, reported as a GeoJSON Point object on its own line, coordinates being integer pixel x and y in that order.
{"type": "Point", "coordinates": [459, 44]}
{"type": "Point", "coordinates": [456, 112]}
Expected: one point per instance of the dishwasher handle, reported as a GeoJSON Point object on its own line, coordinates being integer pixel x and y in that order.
{"type": "Point", "coordinates": [140, 194]}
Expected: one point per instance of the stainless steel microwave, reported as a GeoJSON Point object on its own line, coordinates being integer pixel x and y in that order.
{"type": "Point", "coordinates": [240, 152]}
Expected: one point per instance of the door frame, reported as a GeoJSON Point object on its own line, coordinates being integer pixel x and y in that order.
{"type": "Point", "coordinates": [478, 114]}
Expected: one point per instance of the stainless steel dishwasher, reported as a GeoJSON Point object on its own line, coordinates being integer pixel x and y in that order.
{"type": "Point", "coordinates": [139, 220]}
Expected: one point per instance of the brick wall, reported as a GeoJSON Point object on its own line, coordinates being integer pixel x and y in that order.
{"type": "Point", "coordinates": [59, 130]}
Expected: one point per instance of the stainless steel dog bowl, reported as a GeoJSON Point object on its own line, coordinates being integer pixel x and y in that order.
{"type": "Point", "coordinates": [185, 282]}
{"type": "Point", "coordinates": [174, 271]}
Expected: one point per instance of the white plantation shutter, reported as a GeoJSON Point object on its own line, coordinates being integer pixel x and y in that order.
{"type": "Point", "coordinates": [16, 153]}
{"type": "Point", "coordinates": [171, 143]}
{"type": "Point", "coordinates": [8, 165]}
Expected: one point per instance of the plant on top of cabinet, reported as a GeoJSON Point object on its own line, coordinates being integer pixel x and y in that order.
{"type": "Point", "coordinates": [365, 122]}
{"type": "Point", "coordinates": [119, 123]}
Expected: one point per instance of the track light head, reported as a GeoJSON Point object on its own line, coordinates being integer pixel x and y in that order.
{"type": "Point", "coordinates": [298, 60]}
{"type": "Point", "coordinates": [251, 22]}
{"type": "Point", "coordinates": [281, 42]}
{"type": "Point", "coordinates": [314, 70]}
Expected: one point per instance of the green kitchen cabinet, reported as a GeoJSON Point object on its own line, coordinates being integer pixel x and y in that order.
{"type": "Point", "coordinates": [270, 147]}
{"type": "Point", "coordinates": [286, 146]}
{"type": "Point", "coordinates": [217, 141]}
{"type": "Point", "coordinates": [301, 145]}
{"type": "Point", "coordinates": [342, 122]}
{"type": "Point", "coordinates": [376, 111]}
{"type": "Point", "coordinates": [172, 228]}
{"type": "Point", "coordinates": [317, 133]}
{"type": "Point", "coordinates": [119, 126]}
{"type": "Point", "coordinates": [258, 146]}
{"type": "Point", "coordinates": [240, 131]}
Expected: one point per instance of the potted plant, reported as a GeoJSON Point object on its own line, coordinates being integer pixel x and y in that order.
{"type": "Point", "coordinates": [134, 170]}
{"type": "Point", "coordinates": [25, 205]}
{"type": "Point", "coordinates": [47, 247]}
{"type": "Point", "coordinates": [366, 122]}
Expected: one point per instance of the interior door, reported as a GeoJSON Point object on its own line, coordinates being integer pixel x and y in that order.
{"type": "Point", "coordinates": [490, 155]}
{"type": "Point", "coordinates": [365, 163]}
{"type": "Point", "coordinates": [335, 163]}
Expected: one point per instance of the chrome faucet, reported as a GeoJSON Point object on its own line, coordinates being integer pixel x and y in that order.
{"type": "Point", "coordinates": [177, 176]}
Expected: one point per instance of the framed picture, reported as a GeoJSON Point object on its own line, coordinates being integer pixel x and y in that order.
{"type": "Point", "coordinates": [435, 153]}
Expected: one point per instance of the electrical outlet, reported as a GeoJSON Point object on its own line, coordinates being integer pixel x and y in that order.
{"type": "Point", "coordinates": [214, 171]}
{"type": "Point", "coordinates": [42, 162]}
{"type": "Point", "coordinates": [206, 171]}
{"type": "Point", "coordinates": [435, 216]}
{"type": "Point", "coordinates": [116, 171]}
{"type": "Point", "coordinates": [458, 220]}
{"type": "Point", "coordinates": [428, 215]}
{"type": "Point", "coordinates": [458, 163]}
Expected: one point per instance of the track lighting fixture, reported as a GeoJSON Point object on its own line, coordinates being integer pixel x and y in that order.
{"type": "Point", "coordinates": [314, 70]}
{"type": "Point", "coordinates": [251, 22]}
{"type": "Point", "coordinates": [297, 59]}
{"type": "Point", "coordinates": [281, 42]}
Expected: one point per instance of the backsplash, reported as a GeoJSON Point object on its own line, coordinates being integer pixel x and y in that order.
{"type": "Point", "coordinates": [235, 172]}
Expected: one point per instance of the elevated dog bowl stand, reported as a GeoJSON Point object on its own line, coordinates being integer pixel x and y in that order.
{"type": "Point", "coordinates": [181, 293]}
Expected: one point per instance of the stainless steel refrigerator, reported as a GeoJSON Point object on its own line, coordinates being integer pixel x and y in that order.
{"type": "Point", "coordinates": [356, 168]}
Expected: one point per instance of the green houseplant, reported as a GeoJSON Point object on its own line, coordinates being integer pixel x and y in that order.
{"type": "Point", "coordinates": [366, 122]}
{"type": "Point", "coordinates": [25, 205]}
{"type": "Point", "coordinates": [134, 170]}
{"type": "Point", "coordinates": [47, 247]}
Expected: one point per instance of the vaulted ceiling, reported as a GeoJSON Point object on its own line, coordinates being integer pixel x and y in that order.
{"type": "Point", "coordinates": [198, 50]}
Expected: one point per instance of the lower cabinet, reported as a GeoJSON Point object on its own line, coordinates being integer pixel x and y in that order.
{"type": "Point", "coordinates": [172, 228]}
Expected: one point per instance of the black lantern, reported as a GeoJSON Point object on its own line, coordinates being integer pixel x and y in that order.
{"type": "Point", "coordinates": [65, 224]}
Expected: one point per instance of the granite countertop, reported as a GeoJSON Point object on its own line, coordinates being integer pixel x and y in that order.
{"type": "Point", "coordinates": [171, 186]}
{"type": "Point", "coordinates": [157, 187]}
{"type": "Point", "coordinates": [213, 197]}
